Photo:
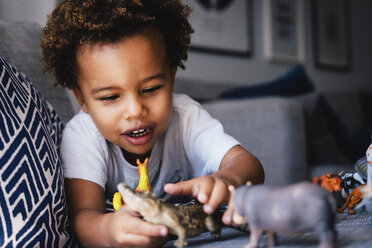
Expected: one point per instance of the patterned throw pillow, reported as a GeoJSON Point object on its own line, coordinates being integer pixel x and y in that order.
{"type": "Point", "coordinates": [32, 198]}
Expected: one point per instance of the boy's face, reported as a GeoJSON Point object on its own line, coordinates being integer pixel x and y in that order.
{"type": "Point", "coordinates": [127, 87]}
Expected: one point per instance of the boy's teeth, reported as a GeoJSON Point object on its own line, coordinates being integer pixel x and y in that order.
{"type": "Point", "coordinates": [139, 133]}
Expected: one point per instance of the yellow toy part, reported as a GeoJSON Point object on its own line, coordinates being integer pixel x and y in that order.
{"type": "Point", "coordinates": [143, 184]}
{"type": "Point", "coordinates": [117, 201]}
{"type": "Point", "coordinates": [144, 181]}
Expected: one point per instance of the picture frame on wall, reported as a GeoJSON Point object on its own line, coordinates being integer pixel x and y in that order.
{"type": "Point", "coordinates": [221, 26]}
{"type": "Point", "coordinates": [331, 34]}
{"type": "Point", "coordinates": [284, 30]}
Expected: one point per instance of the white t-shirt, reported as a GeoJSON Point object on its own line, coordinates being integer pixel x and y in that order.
{"type": "Point", "coordinates": [193, 145]}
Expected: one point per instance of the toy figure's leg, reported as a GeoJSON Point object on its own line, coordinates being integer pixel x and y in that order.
{"type": "Point", "coordinates": [351, 211]}
{"type": "Point", "coordinates": [272, 239]}
{"type": "Point", "coordinates": [327, 235]}
{"type": "Point", "coordinates": [254, 238]}
{"type": "Point", "coordinates": [213, 226]}
{"type": "Point", "coordinates": [181, 240]}
{"type": "Point", "coordinates": [354, 201]}
{"type": "Point", "coordinates": [340, 210]}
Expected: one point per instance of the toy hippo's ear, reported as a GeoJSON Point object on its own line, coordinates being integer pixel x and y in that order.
{"type": "Point", "coordinates": [231, 188]}
{"type": "Point", "coordinates": [248, 183]}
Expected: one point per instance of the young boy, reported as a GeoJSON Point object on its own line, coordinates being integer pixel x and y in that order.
{"type": "Point", "coordinates": [120, 59]}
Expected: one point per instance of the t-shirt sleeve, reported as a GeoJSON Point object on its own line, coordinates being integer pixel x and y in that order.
{"type": "Point", "coordinates": [205, 141]}
{"type": "Point", "coordinates": [82, 151]}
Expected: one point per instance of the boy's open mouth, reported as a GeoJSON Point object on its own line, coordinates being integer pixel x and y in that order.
{"type": "Point", "coordinates": [140, 136]}
{"type": "Point", "coordinates": [139, 133]}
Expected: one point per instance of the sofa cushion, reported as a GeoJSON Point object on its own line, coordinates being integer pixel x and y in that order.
{"type": "Point", "coordinates": [32, 200]}
{"type": "Point", "coordinates": [294, 82]}
{"type": "Point", "coordinates": [272, 128]}
{"type": "Point", "coordinates": [20, 42]}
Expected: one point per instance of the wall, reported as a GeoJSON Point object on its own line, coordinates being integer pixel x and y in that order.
{"type": "Point", "coordinates": [26, 10]}
{"type": "Point", "coordinates": [32, 11]}
{"type": "Point", "coordinates": [224, 69]}
{"type": "Point", "coordinates": [219, 69]}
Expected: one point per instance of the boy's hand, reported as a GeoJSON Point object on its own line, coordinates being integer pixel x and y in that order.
{"type": "Point", "coordinates": [126, 228]}
{"type": "Point", "coordinates": [210, 190]}
{"type": "Point", "coordinates": [237, 167]}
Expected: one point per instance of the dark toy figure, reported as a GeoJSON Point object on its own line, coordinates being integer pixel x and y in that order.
{"type": "Point", "coordinates": [295, 208]}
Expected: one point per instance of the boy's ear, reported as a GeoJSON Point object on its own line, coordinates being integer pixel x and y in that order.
{"type": "Point", "coordinates": [79, 97]}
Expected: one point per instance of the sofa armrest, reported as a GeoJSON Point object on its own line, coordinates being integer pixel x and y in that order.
{"type": "Point", "coordinates": [271, 128]}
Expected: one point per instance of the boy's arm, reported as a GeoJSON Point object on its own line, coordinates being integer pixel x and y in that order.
{"type": "Point", "coordinates": [239, 166]}
{"type": "Point", "coordinates": [93, 227]}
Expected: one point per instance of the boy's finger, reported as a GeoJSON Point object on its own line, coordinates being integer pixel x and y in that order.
{"type": "Point", "coordinates": [147, 229]}
{"type": "Point", "coordinates": [142, 240]}
{"type": "Point", "coordinates": [182, 188]}
{"type": "Point", "coordinates": [227, 216]}
{"type": "Point", "coordinates": [217, 196]}
{"type": "Point", "coordinates": [142, 227]}
{"type": "Point", "coordinates": [207, 186]}
{"type": "Point", "coordinates": [200, 188]}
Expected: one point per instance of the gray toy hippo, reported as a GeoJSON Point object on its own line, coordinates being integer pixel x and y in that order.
{"type": "Point", "coordinates": [295, 208]}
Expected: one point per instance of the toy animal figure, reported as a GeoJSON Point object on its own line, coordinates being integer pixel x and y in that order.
{"type": "Point", "coordinates": [144, 181]}
{"type": "Point", "coordinates": [352, 200]}
{"type": "Point", "coordinates": [183, 221]}
{"type": "Point", "coordinates": [143, 184]}
{"type": "Point", "coordinates": [295, 208]}
{"type": "Point", "coordinates": [349, 182]}
{"type": "Point", "coordinates": [330, 182]}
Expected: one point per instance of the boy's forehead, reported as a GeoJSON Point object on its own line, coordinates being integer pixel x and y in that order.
{"type": "Point", "coordinates": [143, 49]}
{"type": "Point", "coordinates": [152, 35]}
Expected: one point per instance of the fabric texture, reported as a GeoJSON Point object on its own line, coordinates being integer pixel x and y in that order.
{"type": "Point", "coordinates": [294, 82]}
{"type": "Point", "coordinates": [193, 145]}
{"type": "Point", "coordinates": [272, 129]}
{"type": "Point", "coordinates": [32, 200]}
{"type": "Point", "coordinates": [353, 231]}
{"type": "Point", "coordinates": [20, 42]}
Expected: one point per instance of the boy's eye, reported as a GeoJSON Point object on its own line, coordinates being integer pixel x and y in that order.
{"type": "Point", "coordinates": [152, 89]}
{"type": "Point", "coordinates": [109, 98]}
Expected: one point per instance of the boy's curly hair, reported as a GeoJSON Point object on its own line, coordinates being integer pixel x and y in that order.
{"type": "Point", "coordinates": [77, 22]}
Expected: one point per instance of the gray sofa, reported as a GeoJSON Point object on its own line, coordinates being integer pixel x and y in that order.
{"type": "Point", "coordinates": [273, 128]}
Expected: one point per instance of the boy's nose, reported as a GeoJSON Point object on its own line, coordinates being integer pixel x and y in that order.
{"type": "Point", "coordinates": [134, 109]}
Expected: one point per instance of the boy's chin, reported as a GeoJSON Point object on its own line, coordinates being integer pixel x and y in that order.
{"type": "Point", "coordinates": [134, 155]}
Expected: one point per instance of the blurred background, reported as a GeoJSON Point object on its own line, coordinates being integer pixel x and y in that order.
{"type": "Point", "coordinates": [312, 54]}
{"type": "Point", "coordinates": [221, 68]}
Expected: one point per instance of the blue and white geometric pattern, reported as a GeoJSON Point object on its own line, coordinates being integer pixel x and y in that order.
{"type": "Point", "coordinates": [32, 199]}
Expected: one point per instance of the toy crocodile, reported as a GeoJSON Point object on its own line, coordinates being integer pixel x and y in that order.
{"type": "Point", "coordinates": [183, 221]}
